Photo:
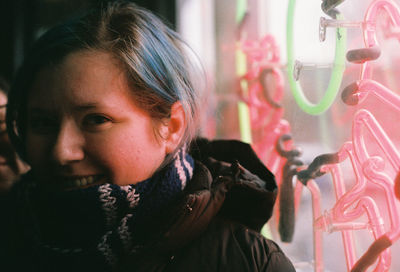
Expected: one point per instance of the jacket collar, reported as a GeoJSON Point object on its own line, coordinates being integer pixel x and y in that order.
{"type": "Point", "coordinates": [221, 186]}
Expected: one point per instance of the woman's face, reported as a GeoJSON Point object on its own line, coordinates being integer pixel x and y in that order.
{"type": "Point", "coordinates": [9, 162]}
{"type": "Point", "coordinates": [85, 128]}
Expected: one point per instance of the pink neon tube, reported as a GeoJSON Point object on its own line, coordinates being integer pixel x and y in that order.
{"type": "Point", "coordinates": [343, 211]}
{"type": "Point", "coordinates": [354, 203]}
{"type": "Point", "coordinates": [318, 240]}
{"type": "Point", "coordinates": [265, 110]}
{"type": "Point", "coordinates": [381, 243]}
{"type": "Point", "coordinates": [373, 169]}
{"type": "Point", "coordinates": [354, 94]}
{"type": "Point", "coordinates": [266, 115]}
{"type": "Point", "coordinates": [370, 19]}
{"type": "Point", "coordinates": [374, 166]}
{"type": "Point", "coordinates": [340, 217]}
{"type": "Point", "coordinates": [347, 235]}
{"type": "Point", "coordinates": [364, 86]}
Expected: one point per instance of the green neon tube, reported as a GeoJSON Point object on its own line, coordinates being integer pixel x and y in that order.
{"type": "Point", "coordinates": [243, 109]}
{"type": "Point", "coordinates": [241, 67]}
{"type": "Point", "coordinates": [337, 72]}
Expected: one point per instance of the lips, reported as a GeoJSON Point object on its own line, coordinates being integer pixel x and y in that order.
{"type": "Point", "coordinates": [76, 182]}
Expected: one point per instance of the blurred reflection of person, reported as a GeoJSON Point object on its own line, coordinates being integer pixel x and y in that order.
{"type": "Point", "coordinates": [10, 165]}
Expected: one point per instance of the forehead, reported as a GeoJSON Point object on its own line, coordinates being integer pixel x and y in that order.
{"type": "Point", "coordinates": [83, 76]}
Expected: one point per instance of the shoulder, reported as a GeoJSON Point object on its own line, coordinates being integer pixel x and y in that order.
{"type": "Point", "coordinates": [230, 246]}
{"type": "Point", "coordinates": [256, 251]}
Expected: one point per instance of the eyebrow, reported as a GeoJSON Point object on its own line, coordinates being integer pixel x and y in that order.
{"type": "Point", "coordinates": [82, 107]}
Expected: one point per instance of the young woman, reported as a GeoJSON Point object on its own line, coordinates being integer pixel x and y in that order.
{"type": "Point", "coordinates": [104, 111]}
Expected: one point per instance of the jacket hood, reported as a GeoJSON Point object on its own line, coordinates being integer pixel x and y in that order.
{"type": "Point", "coordinates": [229, 181]}
{"type": "Point", "coordinates": [250, 187]}
{"type": "Point", "coordinates": [230, 151]}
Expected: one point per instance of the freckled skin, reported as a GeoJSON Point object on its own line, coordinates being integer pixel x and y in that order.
{"type": "Point", "coordinates": [83, 120]}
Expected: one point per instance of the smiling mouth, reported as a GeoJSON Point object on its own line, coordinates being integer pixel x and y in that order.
{"type": "Point", "coordinates": [71, 183]}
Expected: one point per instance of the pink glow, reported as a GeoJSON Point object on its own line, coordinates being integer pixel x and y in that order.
{"type": "Point", "coordinates": [266, 112]}
{"type": "Point", "coordinates": [367, 168]}
{"type": "Point", "coordinates": [366, 165]}
{"type": "Point", "coordinates": [352, 204]}
{"type": "Point", "coordinates": [369, 28]}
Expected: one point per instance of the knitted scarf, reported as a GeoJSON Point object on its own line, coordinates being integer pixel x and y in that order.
{"type": "Point", "coordinates": [99, 222]}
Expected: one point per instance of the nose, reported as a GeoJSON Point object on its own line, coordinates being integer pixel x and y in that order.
{"type": "Point", "coordinates": [69, 144]}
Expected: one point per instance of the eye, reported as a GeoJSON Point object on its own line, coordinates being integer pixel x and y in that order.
{"type": "Point", "coordinates": [95, 121]}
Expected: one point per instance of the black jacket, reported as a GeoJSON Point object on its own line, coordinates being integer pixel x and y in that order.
{"type": "Point", "coordinates": [213, 226]}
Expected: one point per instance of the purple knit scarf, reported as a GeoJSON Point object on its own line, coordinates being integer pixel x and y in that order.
{"type": "Point", "coordinates": [100, 221]}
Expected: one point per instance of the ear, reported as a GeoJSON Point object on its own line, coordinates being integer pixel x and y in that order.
{"type": "Point", "coordinates": [175, 127]}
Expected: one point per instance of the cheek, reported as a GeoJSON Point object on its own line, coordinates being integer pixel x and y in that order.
{"type": "Point", "coordinates": [36, 151]}
{"type": "Point", "coordinates": [130, 163]}
{"type": "Point", "coordinates": [127, 155]}
{"type": "Point", "coordinates": [118, 156]}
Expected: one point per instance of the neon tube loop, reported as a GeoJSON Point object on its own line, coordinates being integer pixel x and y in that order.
{"type": "Point", "coordinates": [390, 7]}
{"type": "Point", "coordinates": [356, 55]}
{"type": "Point", "coordinates": [289, 154]}
{"type": "Point", "coordinates": [371, 50]}
{"type": "Point", "coordinates": [287, 201]}
{"type": "Point", "coordinates": [266, 92]}
{"type": "Point", "coordinates": [350, 205]}
{"type": "Point", "coordinates": [371, 167]}
{"type": "Point", "coordinates": [356, 92]}
{"type": "Point", "coordinates": [264, 58]}
{"type": "Point", "coordinates": [314, 168]}
{"type": "Point", "coordinates": [287, 196]}
{"type": "Point", "coordinates": [337, 73]}
{"type": "Point", "coordinates": [364, 166]}
{"type": "Point", "coordinates": [264, 104]}
{"type": "Point", "coordinates": [370, 39]}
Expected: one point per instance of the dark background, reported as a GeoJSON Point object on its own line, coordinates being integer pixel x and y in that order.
{"type": "Point", "coordinates": [23, 21]}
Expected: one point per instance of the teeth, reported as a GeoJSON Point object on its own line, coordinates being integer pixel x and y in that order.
{"type": "Point", "coordinates": [90, 180]}
{"type": "Point", "coordinates": [77, 182]}
{"type": "Point", "coordinates": [83, 181]}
